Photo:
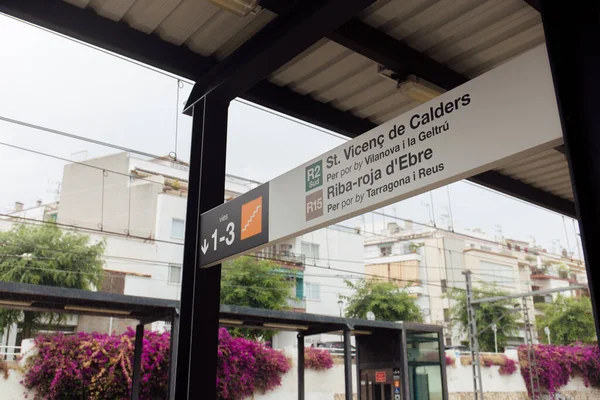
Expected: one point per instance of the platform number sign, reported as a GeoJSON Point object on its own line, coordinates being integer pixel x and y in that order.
{"type": "Point", "coordinates": [314, 175]}
{"type": "Point", "coordinates": [240, 224]}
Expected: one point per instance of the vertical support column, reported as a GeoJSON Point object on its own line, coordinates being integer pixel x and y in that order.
{"type": "Point", "coordinates": [572, 37]}
{"type": "Point", "coordinates": [476, 361]}
{"type": "Point", "coordinates": [200, 290]}
{"type": "Point", "coordinates": [300, 366]}
{"type": "Point", "coordinates": [357, 363]}
{"type": "Point", "coordinates": [443, 365]}
{"type": "Point", "coordinates": [137, 361]}
{"type": "Point", "coordinates": [405, 373]}
{"type": "Point", "coordinates": [348, 363]}
{"type": "Point", "coordinates": [173, 364]}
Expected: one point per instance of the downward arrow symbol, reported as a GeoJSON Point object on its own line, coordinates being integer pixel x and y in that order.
{"type": "Point", "coordinates": [204, 247]}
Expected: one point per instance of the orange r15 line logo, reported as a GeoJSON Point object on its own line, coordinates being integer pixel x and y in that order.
{"type": "Point", "coordinates": [251, 218]}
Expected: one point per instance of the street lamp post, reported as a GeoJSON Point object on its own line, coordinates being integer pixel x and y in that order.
{"type": "Point", "coordinates": [547, 330]}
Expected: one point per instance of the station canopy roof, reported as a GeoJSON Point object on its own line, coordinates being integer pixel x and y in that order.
{"type": "Point", "coordinates": [332, 63]}
{"type": "Point", "coordinates": [22, 296]}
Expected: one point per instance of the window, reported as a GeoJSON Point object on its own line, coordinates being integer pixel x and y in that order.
{"type": "Point", "coordinates": [444, 286]}
{"type": "Point", "coordinates": [446, 315]}
{"type": "Point", "coordinates": [177, 228]}
{"type": "Point", "coordinates": [500, 274]}
{"type": "Point", "coordinates": [310, 250]}
{"type": "Point", "coordinates": [175, 274]}
{"type": "Point", "coordinates": [385, 251]}
{"type": "Point", "coordinates": [313, 291]}
{"type": "Point", "coordinates": [485, 248]}
{"type": "Point", "coordinates": [285, 249]}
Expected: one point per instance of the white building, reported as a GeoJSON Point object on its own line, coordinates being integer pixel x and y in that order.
{"type": "Point", "coordinates": [429, 261]}
{"type": "Point", "coordinates": [140, 207]}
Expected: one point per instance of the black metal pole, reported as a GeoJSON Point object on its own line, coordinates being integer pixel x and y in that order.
{"type": "Point", "coordinates": [137, 361]}
{"type": "Point", "coordinates": [357, 363]}
{"type": "Point", "coordinates": [200, 290]}
{"type": "Point", "coordinates": [443, 364]}
{"type": "Point", "coordinates": [404, 372]}
{"type": "Point", "coordinates": [300, 367]}
{"type": "Point", "coordinates": [348, 363]}
{"type": "Point", "coordinates": [173, 361]}
{"type": "Point", "coordinates": [572, 37]}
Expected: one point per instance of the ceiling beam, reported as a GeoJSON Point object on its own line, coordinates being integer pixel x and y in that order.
{"type": "Point", "coordinates": [385, 50]}
{"type": "Point", "coordinates": [307, 109]}
{"type": "Point", "coordinates": [274, 45]}
{"type": "Point", "coordinates": [515, 188]}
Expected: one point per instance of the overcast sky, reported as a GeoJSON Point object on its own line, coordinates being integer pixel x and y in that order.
{"type": "Point", "coordinates": [57, 83]}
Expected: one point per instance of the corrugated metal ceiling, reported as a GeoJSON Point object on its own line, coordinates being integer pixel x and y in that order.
{"type": "Point", "coordinates": [469, 36]}
{"type": "Point", "coordinates": [198, 24]}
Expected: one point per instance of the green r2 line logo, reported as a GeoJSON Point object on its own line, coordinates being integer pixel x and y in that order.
{"type": "Point", "coordinates": [314, 175]}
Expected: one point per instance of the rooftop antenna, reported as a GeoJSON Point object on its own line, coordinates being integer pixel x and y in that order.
{"type": "Point", "coordinates": [56, 190]}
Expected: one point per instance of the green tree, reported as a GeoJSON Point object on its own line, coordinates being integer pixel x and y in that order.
{"type": "Point", "coordinates": [503, 312]}
{"type": "Point", "coordinates": [570, 320]}
{"type": "Point", "coordinates": [45, 255]}
{"type": "Point", "coordinates": [250, 282]}
{"type": "Point", "coordinates": [385, 299]}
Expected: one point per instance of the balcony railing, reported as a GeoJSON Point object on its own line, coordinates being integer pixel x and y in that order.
{"type": "Point", "coordinates": [297, 303]}
{"type": "Point", "coordinates": [542, 299]}
{"type": "Point", "coordinates": [286, 257]}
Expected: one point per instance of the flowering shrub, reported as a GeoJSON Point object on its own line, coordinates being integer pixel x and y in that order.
{"type": "Point", "coordinates": [556, 365]}
{"type": "Point", "coordinates": [487, 362]}
{"type": "Point", "coordinates": [99, 366]}
{"type": "Point", "coordinates": [96, 366]}
{"type": "Point", "coordinates": [449, 359]}
{"type": "Point", "coordinates": [245, 367]}
{"type": "Point", "coordinates": [317, 359]}
{"type": "Point", "coordinates": [508, 368]}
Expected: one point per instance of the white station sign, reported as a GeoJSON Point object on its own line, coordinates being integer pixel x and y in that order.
{"type": "Point", "coordinates": [503, 115]}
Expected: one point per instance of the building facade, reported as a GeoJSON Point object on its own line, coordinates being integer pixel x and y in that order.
{"type": "Point", "coordinates": [428, 262]}
{"type": "Point", "coordinates": [138, 207]}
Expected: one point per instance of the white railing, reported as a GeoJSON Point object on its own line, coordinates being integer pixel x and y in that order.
{"type": "Point", "coordinates": [6, 355]}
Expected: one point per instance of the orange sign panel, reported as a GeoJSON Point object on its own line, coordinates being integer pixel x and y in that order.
{"type": "Point", "coordinates": [380, 376]}
{"type": "Point", "coordinates": [396, 383]}
{"type": "Point", "coordinates": [251, 218]}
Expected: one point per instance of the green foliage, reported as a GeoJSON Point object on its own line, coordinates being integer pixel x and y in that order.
{"type": "Point", "coordinates": [570, 320]}
{"type": "Point", "coordinates": [250, 282]}
{"type": "Point", "coordinates": [45, 255]}
{"type": "Point", "coordinates": [485, 315]}
{"type": "Point", "coordinates": [384, 299]}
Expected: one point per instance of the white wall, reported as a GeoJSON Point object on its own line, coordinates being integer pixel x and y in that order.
{"type": "Point", "coordinates": [144, 258]}
{"type": "Point", "coordinates": [319, 385]}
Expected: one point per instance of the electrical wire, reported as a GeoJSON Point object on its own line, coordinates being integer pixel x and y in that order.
{"type": "Point", "coordinates": [31, 221]}
{"type": "Point", "coordinates": [273, 259]}
{"type": "Point", "coordinates": [419, 283]}
{"type": "Point", "coordinates": [103, 169]}
{"type": "Point", "coordinates": [77, 137]}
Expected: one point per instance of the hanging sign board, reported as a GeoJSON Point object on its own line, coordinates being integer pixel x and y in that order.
{"type": "Point", "coordinates": [501, 116]}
